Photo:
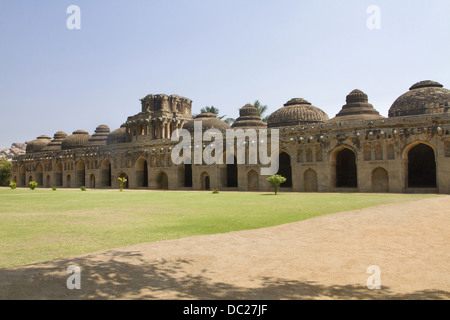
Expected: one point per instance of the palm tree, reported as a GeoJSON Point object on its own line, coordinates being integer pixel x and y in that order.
{"type": "Point", "coordinates": [215, 110]}
{"type": "Point", "coordinates": [261, 110]}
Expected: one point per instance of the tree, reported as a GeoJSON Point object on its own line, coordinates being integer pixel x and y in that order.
{"type": "Point", "coordinates": [5, 172]}
{"type": "Point", "coordinates": [122, 182]}
{"type": "Point", "coordinates": [215, 110]}
{"type": "Point", "coordinates": [261, 110]}
{"type": "Point", "coordinates": [276, 180]}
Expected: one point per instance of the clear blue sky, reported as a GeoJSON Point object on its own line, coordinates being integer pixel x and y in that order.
{"type": "Point", "coordinates": [220, 53]}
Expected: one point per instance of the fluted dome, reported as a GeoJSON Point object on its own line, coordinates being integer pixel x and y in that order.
{"type": "Point", "coordinates": [295, 112]}
{"type": "Point", "coordinates": [118, 136]}
{"type": "Point", "coordinates": [38, 144]}
{"type": "Point", "coordinates": [357, 108]}
{"type": "Point", "coordinates": [425, 97]}
{"type": "Point", "coordinates": [209, 121]}
{"type": "Point", "coordinates": [100, 136]}
{"type": "Point", "coordinates": [249, 118]}
{"type": "Point", "coordinates": [55, 144]}
{"type": "Point", "coordinates": [78, 139]}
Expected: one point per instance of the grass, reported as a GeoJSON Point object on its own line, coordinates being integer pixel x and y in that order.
{"type": "Point", "coordinates": [41, 225]}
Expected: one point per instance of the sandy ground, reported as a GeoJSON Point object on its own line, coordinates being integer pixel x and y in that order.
{"type": "Point", "coordinates": [321, 258]}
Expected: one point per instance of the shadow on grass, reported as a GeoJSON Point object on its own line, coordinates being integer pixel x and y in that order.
{"type": "Point", "coordinates": [126, 275]}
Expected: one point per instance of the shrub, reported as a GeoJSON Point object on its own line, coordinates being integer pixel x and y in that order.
{"type": "Point", "coordinates": [122, 182]}
{"type": "Point", "coordinates": [276, 180]}
{"type": "Point", "coordinates": [54, 188]}
{"type": "Point", "coordinates": [33, 185]}
{"type": "Point", "coordinates": [5, 172]}
{"type": "Point", "coordinates": [215, 190]}
{"type": "Point", "coordinates": [83, 188]}
{"type": "Point", "coordinates": [13, 185]}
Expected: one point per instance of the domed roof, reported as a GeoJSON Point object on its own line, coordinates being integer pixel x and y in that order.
{"type": "Point", "coordinates": [78, 139]}
{"type": "Point", "coordinates": [209, 121]}
{"type": "Point", "coordinates": [100, 136]}
{"type": "Point", "coordinates": [425, 97]}
{"type": "Point", "coordinates": [118, 136]}
{"type": "Point", "coordinates": [296, 111]}
{"type": "Point", "coordinates": [38, 144]}
{"type": "Point", "coordinates": [55, 144]}
{"type": "Point", "coordinates": [357, 108]}
{"type": "Point", "coordinates": [249, 118]}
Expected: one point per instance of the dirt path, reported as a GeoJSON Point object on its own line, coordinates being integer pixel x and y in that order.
{"type": "Point", "coordinates": [321, 258]}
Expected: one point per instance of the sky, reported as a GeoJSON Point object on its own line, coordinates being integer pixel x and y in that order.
{"type": "Point", "coordinates": [221, 53]}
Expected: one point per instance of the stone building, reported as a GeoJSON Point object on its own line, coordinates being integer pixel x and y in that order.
{"type": "Point", "coordinates": [358, 150]}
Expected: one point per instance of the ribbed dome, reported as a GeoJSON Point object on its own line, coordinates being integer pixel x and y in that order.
{"type": "Point", "coordinates": [100, 136]}
{"type": "Point", "coordinates": [249, 118]}
{"type": "Point", "coordinates": [357, 108]}
{"type": "Point", "coordinates": [55, 144]}
{"type": "Point", "coordinates": [118, 136]}
{"type": "Point", "coordinates": [78, 139]}
{"type": "Point", "coordinates": [38, 144]}
{"type": "Point", "coordinates": [209, 121]}
{"type": "Point", "coordinates": [425, 97]}
{"type": "Point", "coordinates": [295, 112]}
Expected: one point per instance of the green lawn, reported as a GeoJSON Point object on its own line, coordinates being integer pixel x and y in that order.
{"type": "Point", "coordinates": [41, 225]}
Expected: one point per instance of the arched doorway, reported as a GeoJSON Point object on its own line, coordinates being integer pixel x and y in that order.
{"type": "Point", "coordinates": [105, 173]}
{"type": "Point", "coordinates": [69, 181]}
{"type": "Point", "coordinates": [253, 181]}
{"type": "Point", "coordinates": [346, 173]}
{"type": "Point", "coordinates": [232, 174]}
{"type": "Point", "coordinates": [188, 175]}
{"type": "Point", "coordinates": [40, 175]}
{"type": "Point", "coordinates": [48, 184]}
{"type": "Point", "coordinates": [58, 174]}
{"type": "Point", "coordinates": [421, 167]}
{"type": "Point", "coordinates": [380, 180]}
{"type": "Point", "coordinates": [141, 172]}
{"type": "Point", "coordinates": [310, 181]}
{"type": "Point", "coordinates": [92, 181]}
{"type": "Point", "coordinates": [285, 169]}
{"type": "Point", "coordinates": [80, 173]}
{"type": "Point", "coordinates": [206, 181]}
{"type": "Point", "coordinates": [162, 181]}
{"type": "Point", "coordinates": [22, 173]}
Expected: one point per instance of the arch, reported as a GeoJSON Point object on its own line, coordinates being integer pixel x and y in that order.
{"type": "Point", "coordinates": [188, 175]}
{"type": "Point", "coordinates": [80, 173]}
{"type": "Point", "coordinates": [40, 175]}
{"type": "Point", "coordinates": [380, 180]}
{"type": "Point", "coordinates": [141, 167]}
{"type": "Point", "coordinates": [92, 181]}
{"type": "Point", "coordinates": [48, 181]}
{"type": "Point", "coordinates": [59, 174]}
{"type": "Point", "coordinates": [69, 181]}
{"type": "Point", "coordinates": [206, 181]}
{"type": "Point", "coordinates": [319, 154]}
{"type": "Point", "coordinates": [124, 175]}
{"type": "Point", "coordinates": [310, 181]}
{"type": "Point", "coordinates": [390, 151]}
{"type": "Point", "coordinates": [367, 152]}
{"type": "Point", "coordinates": [232, 174]}
{"type": "Point", "coordinates": [253, 181]}
{"type": "Point", "coordinates": [162, 181]}
{"type": "Point", "coordinates": [22, 173]}
{"type": "Point", "coordinates": [309, 155]}
{"type": "Point", "coordinates": [378, 152]}
{"type": "Point", "coordinates": [421, 166]}
{"type": "Point", "coordinates": [285, 169]}
{"type": "Point", "coordinates": [105, 173]}
{"type": "Point", "coordinates": [346, 171]}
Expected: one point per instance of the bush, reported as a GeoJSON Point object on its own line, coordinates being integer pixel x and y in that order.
{"type": "Point", "coordinates": [121, 183]}
{"type": "Point", "coordinates": [33, 185]}
{"type": "Point", "coordinates": [5, 172]}
{"type": "Point", "coordinates": [13, 185]}
{"type": "Point", "coordinates": [215, 190]}
{"type": "Point", "coordinates": [54, 188]}
{"type": "Point", "coordinates": [276, 180]}
{"type": "Point", "coordinates": [83, 188]}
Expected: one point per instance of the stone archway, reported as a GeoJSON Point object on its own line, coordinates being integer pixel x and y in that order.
{"type": "Point", "coordinates": [422, 167]}
{"type": "Point", "coordinates": [162, 181]}
{"type": "Point", "coordinates": [285, 169]}
{"type": "Point", "coordinates": [141, 172]}
{"type": "Point", "coordinates": [310, 181]}
{"type": "Point", "coordinates": [380, 180]}
{"type": "Point", "coordinates": [80, 169]}
{"type": "Point", "coordinates": [206, 181]}
{"type": "Point", "coordinates": [105, 173]}
{"type": "Point", "coordinates": [253, 181]}
{"type": "Point", "coordinates": [58, 174]}
{"type": "Point", "coordinates": [346, 172]}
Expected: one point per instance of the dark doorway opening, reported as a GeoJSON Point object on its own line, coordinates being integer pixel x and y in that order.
{"type": "Point", "coordinates": [346, 176]}
{"type": "Point", "coordinates": [421, 167]}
